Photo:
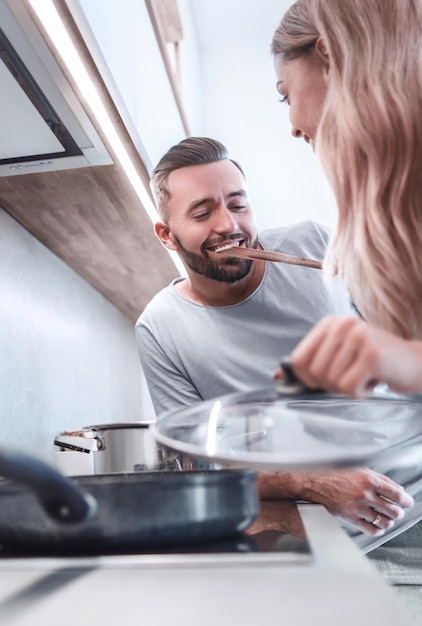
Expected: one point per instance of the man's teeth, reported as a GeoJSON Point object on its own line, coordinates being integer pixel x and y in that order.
{"type": "Point", "coordinates": [228, 246]}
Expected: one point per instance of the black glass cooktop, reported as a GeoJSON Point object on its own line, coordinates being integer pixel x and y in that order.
{"type": "Point", "coordinates": [282, 544]}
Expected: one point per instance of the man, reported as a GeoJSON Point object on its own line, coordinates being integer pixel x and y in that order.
{"type": "Point", "coordinates": [226, 326]}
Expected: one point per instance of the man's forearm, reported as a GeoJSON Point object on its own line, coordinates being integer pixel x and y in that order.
{"type": "Point", "coordinates": [285, 485]}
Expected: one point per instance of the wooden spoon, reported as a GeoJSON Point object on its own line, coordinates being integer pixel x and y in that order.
{"type": "Point", "coordinates": [268, 255]}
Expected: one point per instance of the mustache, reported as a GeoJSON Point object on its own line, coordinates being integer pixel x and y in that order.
{"type": "Point", "coordinates": [224, 239]}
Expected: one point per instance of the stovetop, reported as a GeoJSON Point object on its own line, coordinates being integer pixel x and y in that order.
{"type": "Point", "coordinates": [264, 546]}
{"type": "Point", "coordinates": [277, 536]}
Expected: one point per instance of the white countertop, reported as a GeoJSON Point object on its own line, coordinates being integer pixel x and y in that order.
{"type": "Point", "coordinates": [337, 587]}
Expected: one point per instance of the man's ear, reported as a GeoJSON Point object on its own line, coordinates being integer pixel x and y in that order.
{"type": "Point", "coordinates": [163, 233]}
{"type": "Point", "coordinates": [322, 52]}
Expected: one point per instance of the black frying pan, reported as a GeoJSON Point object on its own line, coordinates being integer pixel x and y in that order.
{"type": "Point", "coordinates": [44, 512]}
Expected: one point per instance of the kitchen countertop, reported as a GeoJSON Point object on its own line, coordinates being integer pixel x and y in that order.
{"type": "Point", "coordinates": [337, 586]}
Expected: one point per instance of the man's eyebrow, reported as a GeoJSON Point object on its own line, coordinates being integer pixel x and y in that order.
{"type": "Point", "coordinates": [195, 204]}
{"type": "Point", "coordinates": [279, 82]}
{"type": "Point", "coordinates": [241, 192]}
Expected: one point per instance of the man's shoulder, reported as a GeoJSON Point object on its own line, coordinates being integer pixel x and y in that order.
{"type": "Point", "coordinates": [306, 228]}
{"type": "Point", "coordinates": [159, 305]}
{"type": "Point", "coordinates": [306, 237]}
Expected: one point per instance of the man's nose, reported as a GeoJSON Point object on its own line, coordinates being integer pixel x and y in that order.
{"type": "Point", "coordinates": [225, 220]}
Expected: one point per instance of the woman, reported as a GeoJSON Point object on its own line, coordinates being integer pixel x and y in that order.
{"type": "Point", "coordinates": [352, 75]}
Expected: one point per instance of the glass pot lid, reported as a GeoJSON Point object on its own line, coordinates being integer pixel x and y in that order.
{"type": "Point", "coordinates": [274, 430]}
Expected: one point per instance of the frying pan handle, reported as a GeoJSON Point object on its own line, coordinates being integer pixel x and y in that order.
{"type": "Point", "coordinates": [291, 384]}
{"type": "Point", "coordinates": [61, 499]}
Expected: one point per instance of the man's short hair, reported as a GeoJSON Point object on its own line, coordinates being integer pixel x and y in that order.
{"type": "Point", "coordinates": [190, 151]}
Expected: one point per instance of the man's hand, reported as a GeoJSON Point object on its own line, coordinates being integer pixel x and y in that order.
{"type": "Point", "coordinates": [359, 496]}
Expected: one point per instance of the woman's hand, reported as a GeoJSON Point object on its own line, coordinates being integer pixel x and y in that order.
{"type": "Point", "coordinates": [349, 356]}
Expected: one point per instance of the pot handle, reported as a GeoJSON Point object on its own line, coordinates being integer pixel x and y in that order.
{"type": "Point", "coordinates": [61, 499]}
{"type": "Point", "coordinates": [291, 384]}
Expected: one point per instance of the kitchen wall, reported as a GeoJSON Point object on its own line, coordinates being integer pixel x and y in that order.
{"type": "Point", "coordinates": [67, 356]}
{"type": "Point", "coordinates": [241, 108]}
{"type": "Point", "coordinates": [125, 36]}
{"type": "Point", "coordinates": [228, 91]}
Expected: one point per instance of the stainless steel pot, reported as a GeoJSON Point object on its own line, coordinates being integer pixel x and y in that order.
{"type": "Point", "coordinates": [126, 447]}
{"type": "Point", "coordinates": [117, 447]}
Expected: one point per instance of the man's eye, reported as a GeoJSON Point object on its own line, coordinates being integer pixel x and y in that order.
{"type": "Point", "coordinates": [284, 99]}
{"type": "Point", "coordinates": [201, 216]}
{"type": "Point", "coordinates": [238, 207]}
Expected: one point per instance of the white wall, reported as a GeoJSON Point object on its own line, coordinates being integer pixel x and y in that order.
{"type": "Point", "coordinates": [125, 35]}
{"type": "Point", "coordinates": [228, 90]}
{"type": "Point", "coordinates": [241, 108]}
{"type": "Point", "coordinates": [68, 357]}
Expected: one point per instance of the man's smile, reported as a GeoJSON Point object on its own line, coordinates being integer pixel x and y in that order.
{"type": "Point", "coordinates": [225, 244]}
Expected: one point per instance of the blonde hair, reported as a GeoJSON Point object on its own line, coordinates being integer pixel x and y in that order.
{"type": "Point", "coordinates": [369, 141]}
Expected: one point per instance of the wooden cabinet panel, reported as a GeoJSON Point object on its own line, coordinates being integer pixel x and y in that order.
{"type": "Point", "coordinates": [94, 221]}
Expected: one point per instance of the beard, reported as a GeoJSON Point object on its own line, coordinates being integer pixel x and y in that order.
{"type": "Point", "coordinates": [228, 270]}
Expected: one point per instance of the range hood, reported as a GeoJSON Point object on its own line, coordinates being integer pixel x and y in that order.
{"type": "Point", "coordinates": [43, 126]}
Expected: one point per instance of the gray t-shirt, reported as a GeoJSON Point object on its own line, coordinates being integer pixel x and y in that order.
{"type": "Point", "coordinates": [190, 352]}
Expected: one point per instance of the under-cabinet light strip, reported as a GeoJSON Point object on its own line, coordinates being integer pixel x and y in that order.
{"type": "Point", "coordinates": [54, 26]}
